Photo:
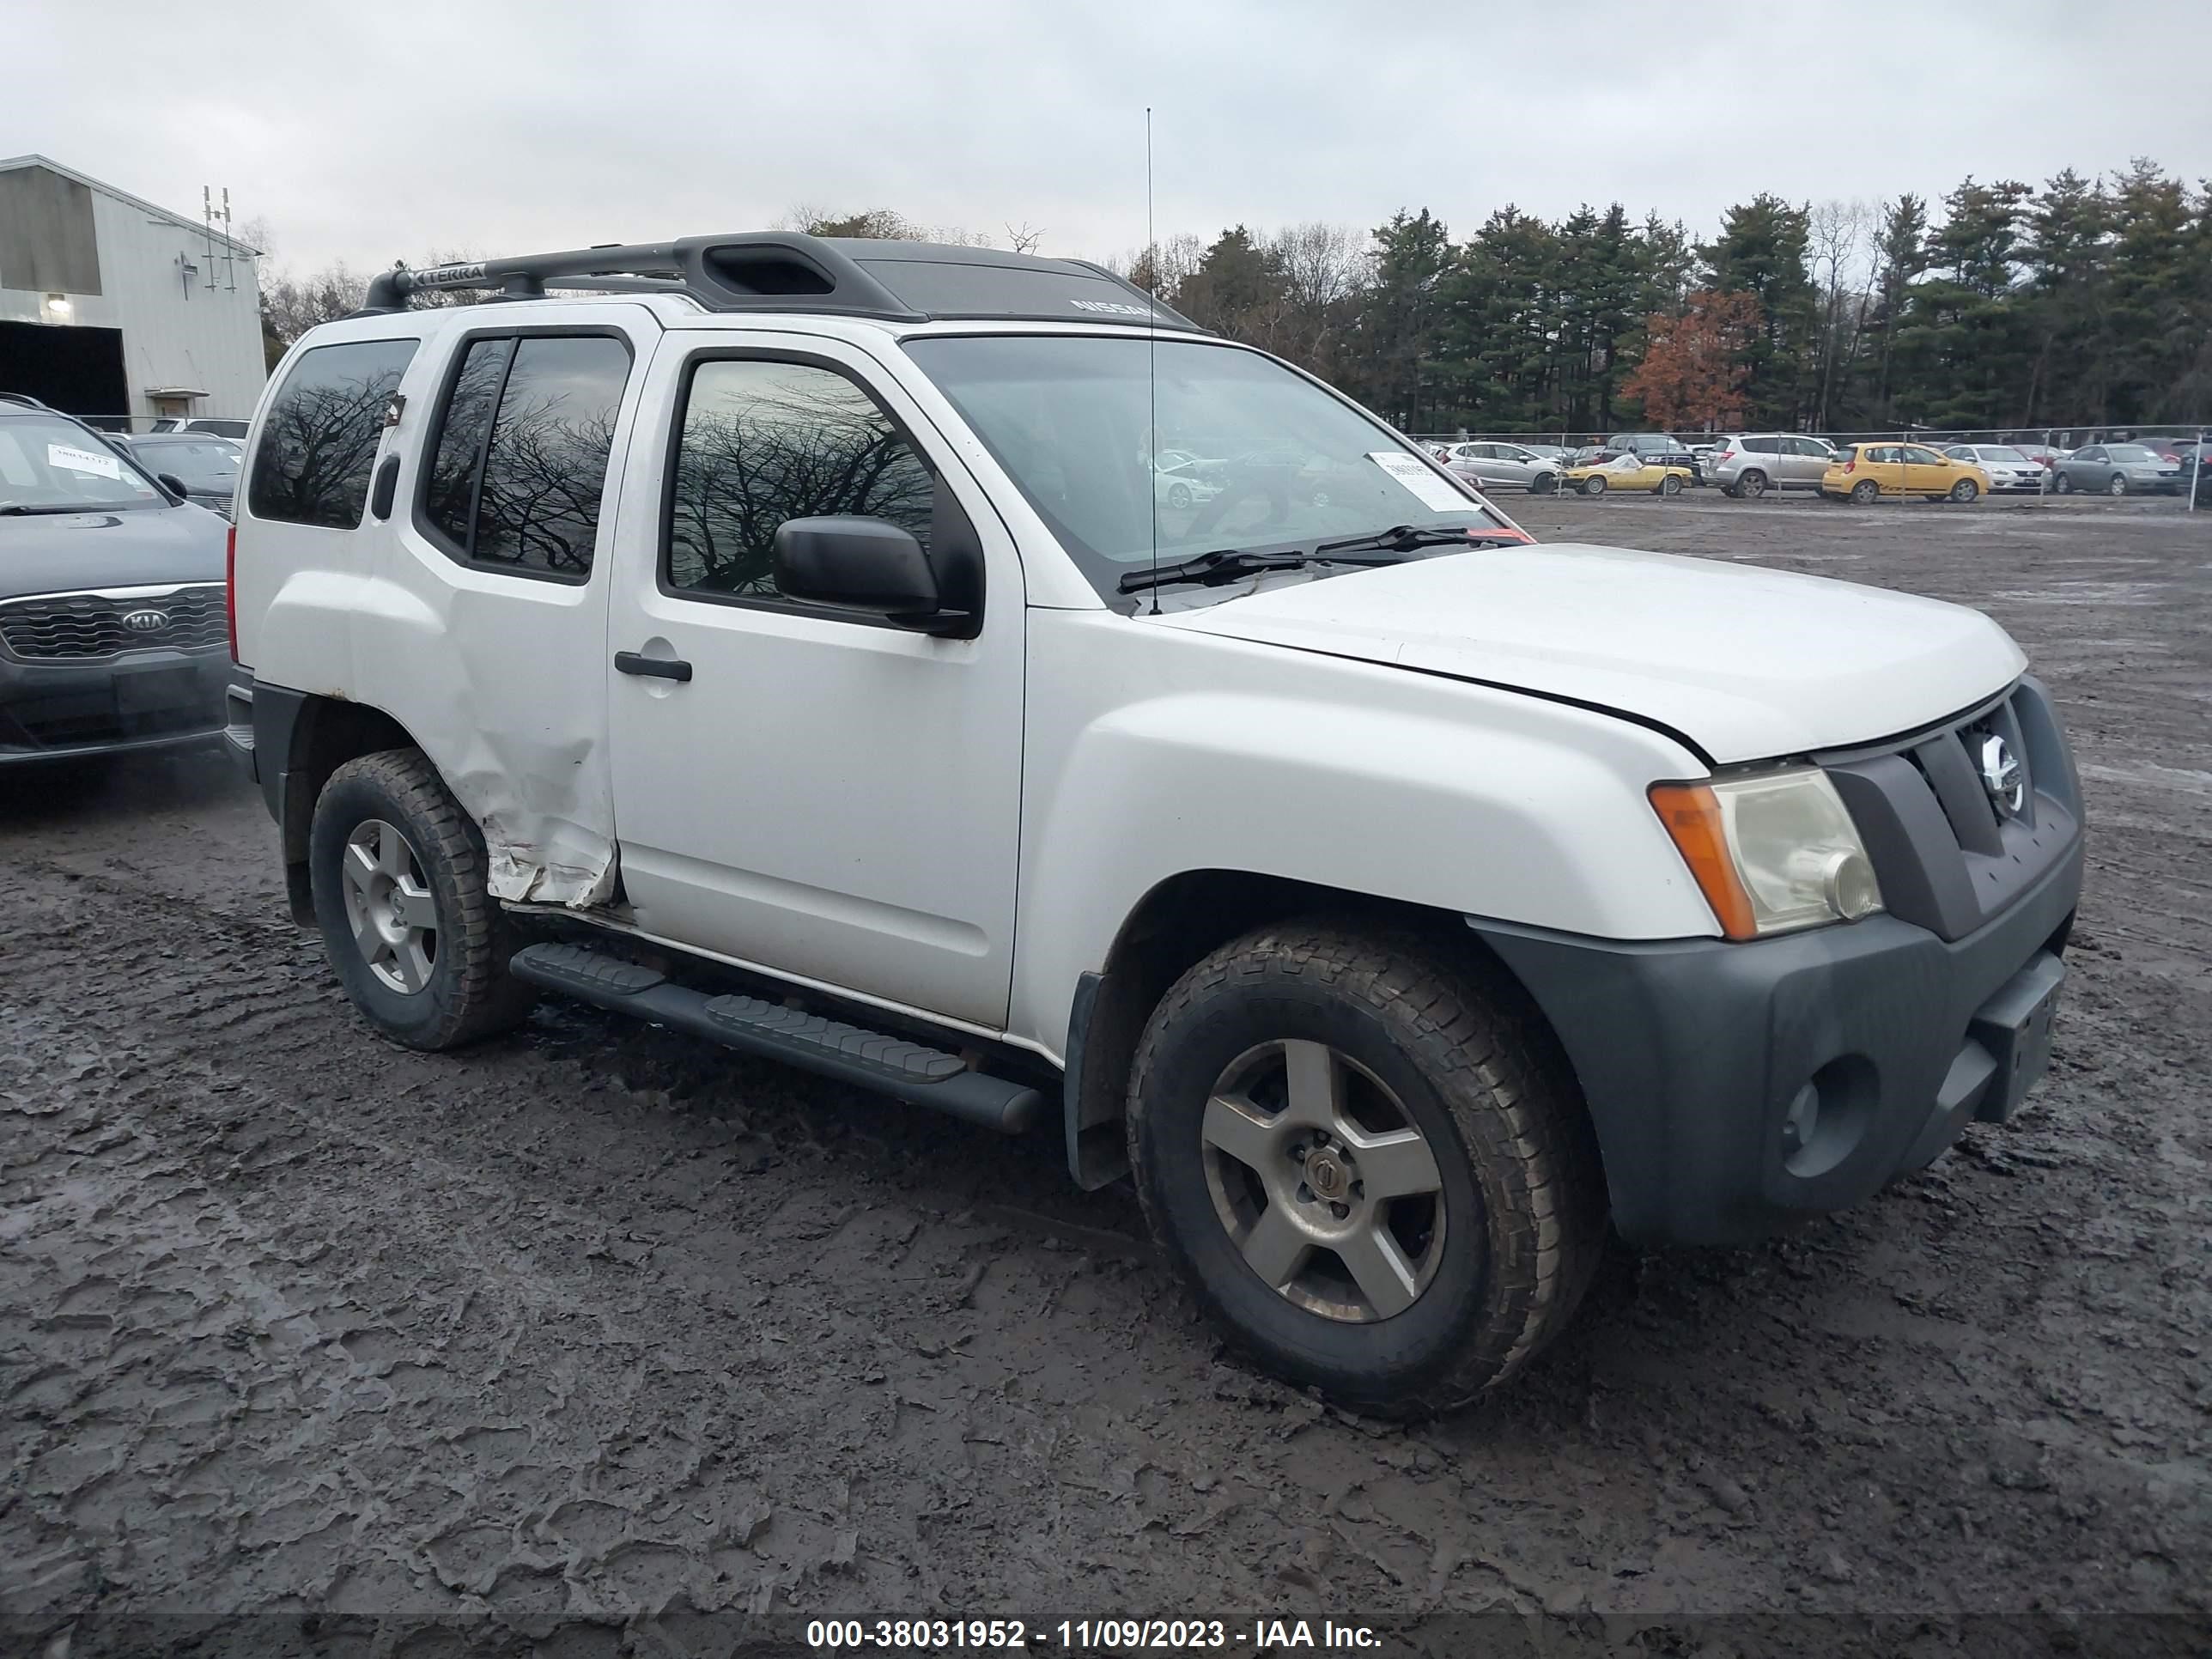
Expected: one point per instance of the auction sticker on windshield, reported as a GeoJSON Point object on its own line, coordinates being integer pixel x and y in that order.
{"type": "Point", "coordinates": [1437, 494]}
{"type": "Point", "coordinates": [83, 460]}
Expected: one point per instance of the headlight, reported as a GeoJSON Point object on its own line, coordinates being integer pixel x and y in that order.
{"type": "Point", "coordinates": [1772, 853]}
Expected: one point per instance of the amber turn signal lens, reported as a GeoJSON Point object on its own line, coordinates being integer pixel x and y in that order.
{"type": "Point", "coordinates": [1692, 817]}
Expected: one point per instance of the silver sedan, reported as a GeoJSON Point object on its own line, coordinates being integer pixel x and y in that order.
{"type": "Point", "coordinates": [2116, 470]}
{"type": "Point", "coordinates": [1504, 466]}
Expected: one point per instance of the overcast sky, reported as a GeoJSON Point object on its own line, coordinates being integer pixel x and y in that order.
{"type": "Point", "coordinates": [367, 132]}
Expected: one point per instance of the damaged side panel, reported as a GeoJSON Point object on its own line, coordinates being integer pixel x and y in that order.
{"type": "Point", "coordinates": [499, 671]}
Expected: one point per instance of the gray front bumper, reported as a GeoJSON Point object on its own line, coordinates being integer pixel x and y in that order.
{"type": "Point", "coordinates": [1691, 1053]}
{"type": "Point", "coordinates": [69, 708]}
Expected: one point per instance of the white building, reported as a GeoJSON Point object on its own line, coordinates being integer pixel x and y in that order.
{"type": "Point", "coordinates": [111, 307]}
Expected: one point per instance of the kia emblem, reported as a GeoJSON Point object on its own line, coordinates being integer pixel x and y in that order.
{"type": "Point", "coordinates": [146, 620]}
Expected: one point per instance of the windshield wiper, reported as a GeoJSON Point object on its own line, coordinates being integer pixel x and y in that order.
{"type": "Point", "coordinates": [1406, 537]}
{"type": "Point", "coordinates": [1226, 564]}
{"type": "Point", "coordinates": [24, 509]}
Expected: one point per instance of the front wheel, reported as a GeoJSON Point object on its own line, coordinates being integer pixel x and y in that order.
{"type": "Point", "coordinates": [2065, 485]}
{"type": "Point", "coordinates": [1370, 1163]}
{"type": "Point", "coordinates": [2119, 486]}
{"type": "Point", "coordinates": [1965, 490]}
{"type": "Point", "coordinates": [1179, 496]}
{"type": "Point", "coordinates": [1866, 492]}
{"type": "Point", "coordinates": [1670, 485]}
{"type": "Point", "coordinates": [399, 877]}
{"type": "Point", "coordinates": [1544, 483]}
{"type": "Point", "coordinates": [1593, 486]}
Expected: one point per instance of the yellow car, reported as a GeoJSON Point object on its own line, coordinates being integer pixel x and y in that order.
{"type": "Point", "coordinates": [1629, 471]}
{"type": "Point", "coordinates": [1866, 473]}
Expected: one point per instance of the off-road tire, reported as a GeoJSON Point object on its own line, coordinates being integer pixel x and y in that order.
{"type": "Point", "coordinates": [1480, 1075]}
{"type": "Point", "coordinates": [468, 994]}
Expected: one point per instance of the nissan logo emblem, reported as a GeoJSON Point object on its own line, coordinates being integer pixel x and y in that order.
{"type": "Point", "coordinates": [2000, 775]}
{"type": "Point", "coordinates": [146, 620]}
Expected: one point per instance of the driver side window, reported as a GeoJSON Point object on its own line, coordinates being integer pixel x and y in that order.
{"type": "Point", "coordinates": [762, 441]}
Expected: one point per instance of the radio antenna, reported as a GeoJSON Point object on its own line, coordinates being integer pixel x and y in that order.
{"type": "Point", "coordinates": [1151, 363]}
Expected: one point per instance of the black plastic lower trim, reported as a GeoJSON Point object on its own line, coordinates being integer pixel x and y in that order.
{"type": "Point", "coordinates": [906, 1070]}
{"type": "Point", "coordinates": [1693, 1053]}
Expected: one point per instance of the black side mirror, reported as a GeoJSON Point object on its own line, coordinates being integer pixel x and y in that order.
{"type": "Point", "coordinates": [173, 485]}
{"type": "Point", "coordinates": [861, 564]}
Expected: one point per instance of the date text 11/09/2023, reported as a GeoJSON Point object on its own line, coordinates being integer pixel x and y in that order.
{"type": "Point", "coordinates": [1116, 1634]}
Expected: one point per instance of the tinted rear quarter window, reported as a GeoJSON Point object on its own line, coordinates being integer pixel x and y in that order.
{"type": "Point", "coordinates": [319, 439]}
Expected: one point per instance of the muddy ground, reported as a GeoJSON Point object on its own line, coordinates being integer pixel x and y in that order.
{"type": "Point", "coordinates": [596, 1339]}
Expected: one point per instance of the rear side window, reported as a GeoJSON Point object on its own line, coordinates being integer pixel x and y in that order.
{"type": "Point", "coordinates": [1760, 446]}
{"type": "Point", "coordinates": [519, 465]}
{"type": "Point", "coordinates": [765, 442]}
{"type": "Point", "coordinates": [319, 440]}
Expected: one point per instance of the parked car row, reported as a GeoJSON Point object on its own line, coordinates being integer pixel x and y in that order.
{"type": "Point", "coordinates": [1751, 464]}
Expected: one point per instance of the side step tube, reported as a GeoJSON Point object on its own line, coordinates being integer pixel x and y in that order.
{"type": "Point", "coordinates": [911, 1072]}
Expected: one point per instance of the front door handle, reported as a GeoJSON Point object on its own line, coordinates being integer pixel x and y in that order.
{"type": "Point", "coordinates": [659, 668]}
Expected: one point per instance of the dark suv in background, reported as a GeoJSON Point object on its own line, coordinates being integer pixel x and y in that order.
{"type": "Point", "coordinates": [113, 632]}
{"type": "Point", "coordinates": [1657, 449]}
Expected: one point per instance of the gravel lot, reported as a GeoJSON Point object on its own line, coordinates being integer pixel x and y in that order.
{"type": "Point", "coordinates": [597, 1340]}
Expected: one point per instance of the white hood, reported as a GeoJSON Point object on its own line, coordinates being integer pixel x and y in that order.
{"type": "Point", "coordinates": [1748, 663]}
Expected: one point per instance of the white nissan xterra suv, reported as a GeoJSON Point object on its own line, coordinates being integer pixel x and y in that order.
{"type": "Point", "coordinates": [805, 644]}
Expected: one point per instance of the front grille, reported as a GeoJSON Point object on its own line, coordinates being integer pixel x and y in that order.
{"type": "Point", "coordinates": [81, 627]}
{"type": "Point", "coordinates": [1948, 855]}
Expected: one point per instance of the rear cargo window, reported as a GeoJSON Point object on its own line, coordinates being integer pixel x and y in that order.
{"type": "Point", "coordinates": [520, 461]}
{"type": "Point", "coordinates": [318, 440]}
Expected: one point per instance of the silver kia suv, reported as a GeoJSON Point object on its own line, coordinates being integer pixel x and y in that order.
{"type": "Point", "coordinates": [1751, 464]}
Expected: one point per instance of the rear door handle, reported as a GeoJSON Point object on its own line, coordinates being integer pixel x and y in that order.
{"type": "Point", "coordinates": [659, 668]}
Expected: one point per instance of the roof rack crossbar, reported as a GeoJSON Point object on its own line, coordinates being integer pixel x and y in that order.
{"type": "Point", "coordinates": [753, 270]}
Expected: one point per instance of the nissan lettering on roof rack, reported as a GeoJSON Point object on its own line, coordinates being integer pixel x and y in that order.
{"type": "Point", "coordinates": [952, 673]}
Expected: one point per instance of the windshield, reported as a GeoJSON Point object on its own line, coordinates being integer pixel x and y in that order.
{"type": "Point", "coordinates": [1999, 452]}
{"type": "Point", "coordinates": [209, 466]}
{"type": "Point", "coordinates": [1279, 462]}
{"type": "Point", "coordinates": [56, 466]}
{"type": "Point", "coordinates": [2130, 453]}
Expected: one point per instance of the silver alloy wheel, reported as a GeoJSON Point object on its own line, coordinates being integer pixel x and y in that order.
{"type": "Point", "coordinates": [389, 906]}
{"type": "Point", "coordinates": [1753, 485]}
{"type": "Point", "coordinates": [2119, 485]}
{"type": "Point", "coordinates": [1327, 1187]}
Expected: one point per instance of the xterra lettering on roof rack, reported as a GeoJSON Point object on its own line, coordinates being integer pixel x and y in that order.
{"type": "Point", "coordinates": [788, 271]}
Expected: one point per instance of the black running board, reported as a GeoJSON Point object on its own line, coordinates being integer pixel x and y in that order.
{"type": "Point", "coordinates": [912, 1072]}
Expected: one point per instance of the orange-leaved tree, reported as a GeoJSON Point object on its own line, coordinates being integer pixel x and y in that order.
{"type": "Point", "coordinates": [1694, 370]}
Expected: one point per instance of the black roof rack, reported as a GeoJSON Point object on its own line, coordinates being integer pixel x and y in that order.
{"type": "Point", "coordinates": [790, 270]}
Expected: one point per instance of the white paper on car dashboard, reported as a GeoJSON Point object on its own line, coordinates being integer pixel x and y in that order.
{"type": "Point", "coordinates": [73, 459]}
{"type": "Point", "coordinates": [1434, 491]}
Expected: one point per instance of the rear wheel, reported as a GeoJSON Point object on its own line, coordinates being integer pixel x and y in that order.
{"type": "Point", "coordinates": [1371, 1164]}
{"type": "Point", "coordinates": [1965, 490]}
{"type": "Point", "coordinates": [1753, 485]}
{"type": "Point", "coordinates": [1593, 486]}
{"type": "Point", "coordinates": [401, 894]}
{"type": "Point", "coordinates": [1865, 492]}
{"type": "Point", "coordinates": [1670, 485]}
